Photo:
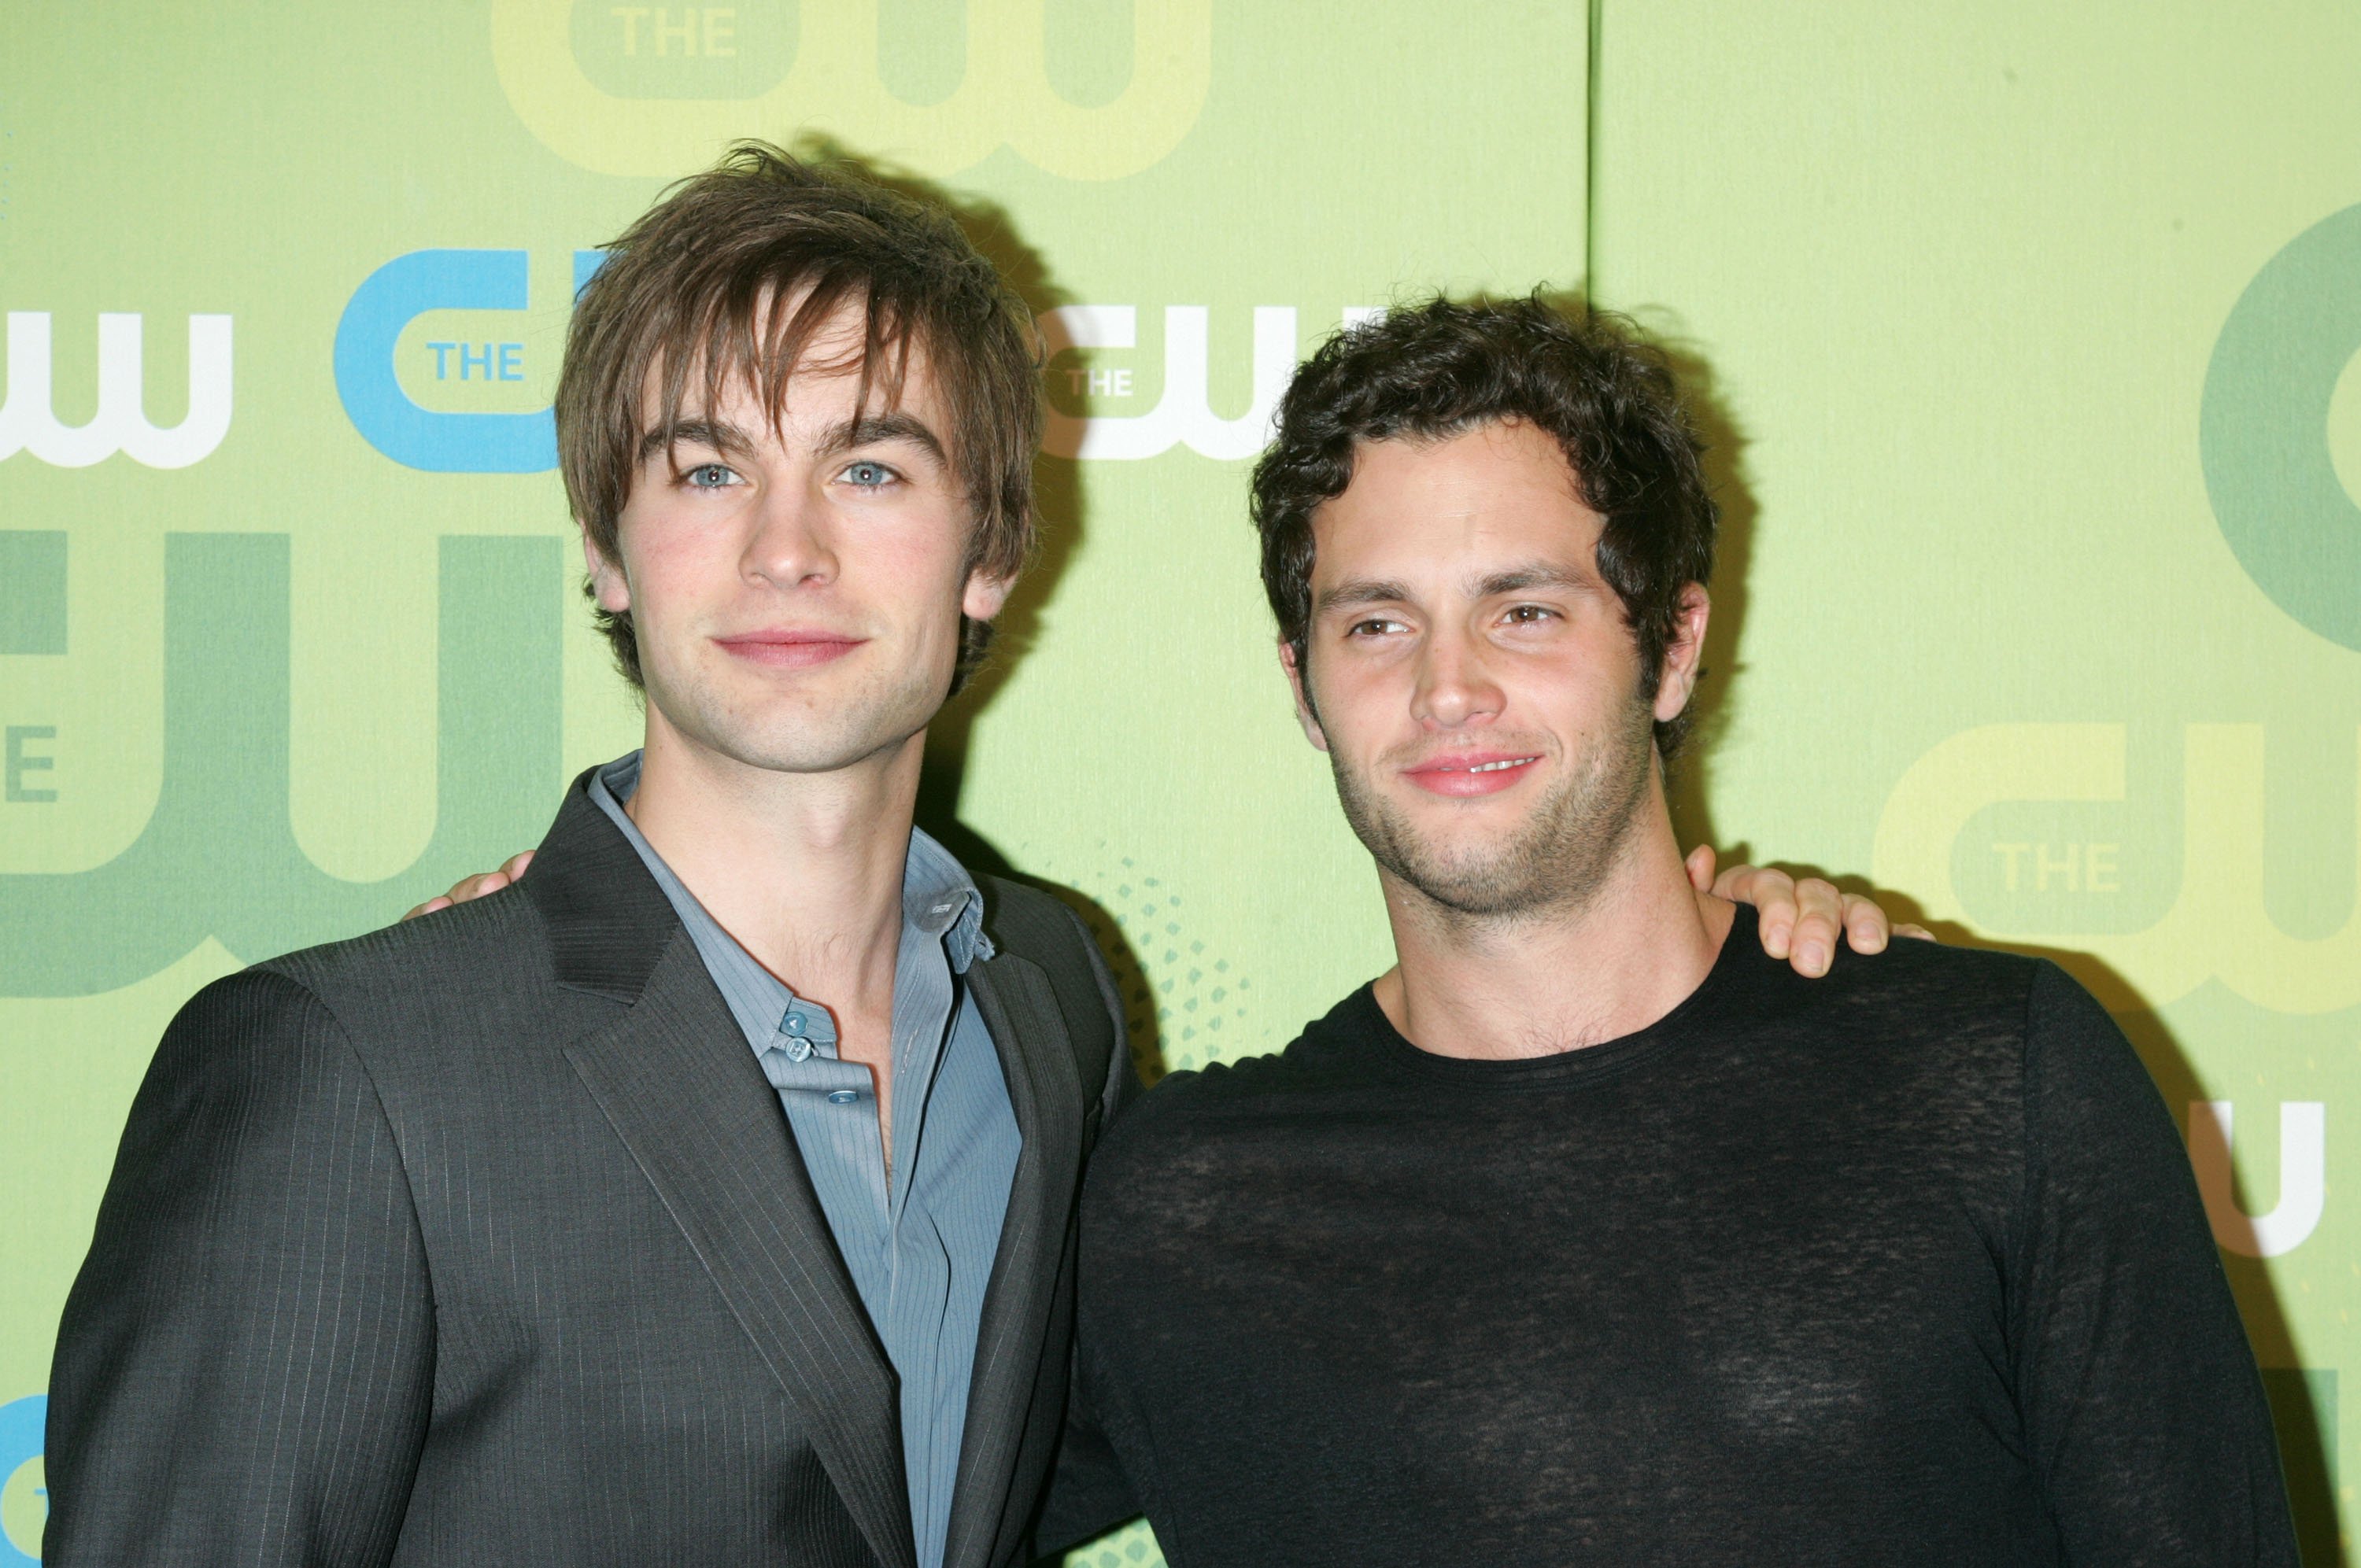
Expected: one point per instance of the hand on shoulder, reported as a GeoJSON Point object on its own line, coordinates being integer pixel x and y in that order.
{"type": "Point", "coordinates": [472, 887]}
{"type": "Point", "coordinates": [1799, 921]}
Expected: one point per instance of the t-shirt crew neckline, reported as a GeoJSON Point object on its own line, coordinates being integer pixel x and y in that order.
{"type": "Point", "coordinates": [1714, 997]}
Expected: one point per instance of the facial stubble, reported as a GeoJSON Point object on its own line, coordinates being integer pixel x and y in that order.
{"type": "Point", "coordinates": [1555, 860]}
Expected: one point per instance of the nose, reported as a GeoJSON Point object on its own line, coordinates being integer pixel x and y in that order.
{"type": "Point", "coordinates": [791, 541]}
{"type": "Point", "coordinates": [1453, 686]}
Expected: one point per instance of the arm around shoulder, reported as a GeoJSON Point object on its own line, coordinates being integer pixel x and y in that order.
{"type": "Point", "coordinates": [2143, 1410]}
{"type": "Point", "coordinates": [245, 1368]}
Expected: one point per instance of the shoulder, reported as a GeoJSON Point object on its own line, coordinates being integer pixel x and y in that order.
{"type": "Point", "coordinates": [256, 1012]}
{"type": "Point", "coordinates": [257, 1051]}
{"type": "Point", "coordinates": [1967, 1026]}
{"type": "Point", "coordinates": [2028, 995]}
{"type": "Point", "coordinates": [1253, 1095]}
{"type": "Point", "coordinates": [1935, 985]}
{"type": "Point", "coordinates": [1030, 921]}
{"type": "Point", "coordinates": [414, 1003]}
{"type": "Point", "coordinates": [2079, 1064]}
{"type": "Point", "coordinates": [399, 964]}
{"type": "Point", "coordinates": [1315, 1062]}
{"type": "Point", "coordinates": [484, 948]}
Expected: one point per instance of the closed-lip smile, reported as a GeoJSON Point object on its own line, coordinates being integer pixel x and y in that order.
{"type": "Point", "coordinates": [788, 647]}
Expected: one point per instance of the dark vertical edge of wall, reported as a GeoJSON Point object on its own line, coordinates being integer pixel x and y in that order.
{"type": "Point", "coordinates": [1590, 152]}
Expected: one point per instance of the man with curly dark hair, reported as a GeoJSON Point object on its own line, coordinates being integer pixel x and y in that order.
{"type": "Point", "coordinates": [1588, 1234]}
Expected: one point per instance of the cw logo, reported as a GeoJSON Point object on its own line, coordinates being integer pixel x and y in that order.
{"type": "Point", "coordinates": [396, 294]}
{"type": "Point", "coordinates": [28, 423]}
{"type": "Point", "coordinates": [1182, 416]}
{"type": "Point", "coordinates": [218, 856]}
{"type": "Point", "coordinates": [21, 1441]}
{"type": "Point", "coordinates": [2304, 1178]}
{"type": "Point", "coordinates": [408, 286]}
{"type": "Point", "coordinates": [2262, 428]}
{"type": "Point", "coordinates": [2217, 928]}
{"type": "Point", "coordinates": [1004, 98]}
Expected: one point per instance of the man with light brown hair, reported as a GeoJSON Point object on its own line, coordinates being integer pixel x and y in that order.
{"type": "Point", "coordinates": [708, 1196]}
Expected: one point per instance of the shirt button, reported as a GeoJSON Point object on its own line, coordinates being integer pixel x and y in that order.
{"type": "Point", "coordinates": [795, 1024]}
{"type": "Point", "coordinates": [843, 1096]}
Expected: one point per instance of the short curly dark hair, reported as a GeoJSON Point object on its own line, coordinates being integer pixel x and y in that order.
{"type": "Point", "coordinates": [1426, 372]}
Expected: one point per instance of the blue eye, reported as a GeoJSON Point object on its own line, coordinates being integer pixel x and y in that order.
{"type": "Point", "coordinates": [709, 477]}
{"type": "Point", "coordinates": [869, 476]}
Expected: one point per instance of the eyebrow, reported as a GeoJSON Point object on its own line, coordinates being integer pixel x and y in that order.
{"type": "Point", "coordinates": [1533, 575]}
{"type": "Point", "coordinates": [719, 435]}
{"type": "Point", "coordinates": [868, 431]}
{"type": "Point", "coordinates": [1359, 592]}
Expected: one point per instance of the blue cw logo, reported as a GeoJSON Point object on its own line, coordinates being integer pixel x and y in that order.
{"type": "Point", "coordinates": [389, 299]}
{"type": "Point", "coordinates": [21, 1441]}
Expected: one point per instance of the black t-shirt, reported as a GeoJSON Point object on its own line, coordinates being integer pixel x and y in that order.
{"type": "Point", "coordinates": [1903, 1266]}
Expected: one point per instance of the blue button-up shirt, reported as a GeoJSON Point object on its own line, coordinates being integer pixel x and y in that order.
{"type": "Point", "coordinates": [920, 1243]}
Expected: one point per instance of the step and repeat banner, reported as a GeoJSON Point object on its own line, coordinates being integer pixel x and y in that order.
{"type": "Point", "coordinates": [2025, 343]}
{"type": "Point", "coordinates": [2031, 339]}
{"type": "Point", "coordinates": [290, 634]}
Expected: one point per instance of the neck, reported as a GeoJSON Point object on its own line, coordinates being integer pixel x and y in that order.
{"type": "Point", "coordinates": [1613, 963]}
{"type": "Point", "coordinates": [805, 870]}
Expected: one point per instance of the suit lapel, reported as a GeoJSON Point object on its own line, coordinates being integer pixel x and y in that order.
{"type": "Point", "coordinates": [1037, 1060]}
{"type": "Point", "coordinates": [674, 1078]}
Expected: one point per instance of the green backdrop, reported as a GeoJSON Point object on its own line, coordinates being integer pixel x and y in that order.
{"type": "Point", "coordinates": [2025, 337]}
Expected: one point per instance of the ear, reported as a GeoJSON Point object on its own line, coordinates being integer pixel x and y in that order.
{"type": "Point", "coordinates": [607, 580]}
{"type": "Point", "coordinates": [1304, 710]}
{"type": "Point", "coordinates": [984, 594]}
{"type": "Point", "coordinates": [1678, 678]}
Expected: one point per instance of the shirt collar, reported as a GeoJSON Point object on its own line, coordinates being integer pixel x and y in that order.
{"type": "Point", "coordinates": [939, 899]}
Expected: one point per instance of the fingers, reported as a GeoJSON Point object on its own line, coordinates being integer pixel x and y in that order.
{"type": "Point", "coordinates": [1772, 893]}
{"type": "Point", "coordinates": [1699, 865]}
{"type": "Point", "coordinates": [474, 887]}
{"type": "Point", "coordinates": [1819, 918]}
{"type": "Point", "coordinates": [1866, 927]}
{"type": "Point", "coordinates": [1801, 921]}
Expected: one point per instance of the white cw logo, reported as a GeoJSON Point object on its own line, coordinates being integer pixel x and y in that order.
{"type": "Point", "coordinates": [1183, 415]}
{"type": "Point", "coordinates": [27, 423]}
{"type": "Point", "coordinates": [2304, 1178]}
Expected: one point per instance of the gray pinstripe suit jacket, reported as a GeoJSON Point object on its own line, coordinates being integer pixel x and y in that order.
{"type": "Point", "coordinates": [482, 1239]}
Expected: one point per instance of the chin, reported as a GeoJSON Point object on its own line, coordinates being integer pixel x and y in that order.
{"type": "Point", "coordinates": [807, 747]}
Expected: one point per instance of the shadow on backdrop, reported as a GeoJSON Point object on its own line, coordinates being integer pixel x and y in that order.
{"type": "Point", "coordinates": [1688, 781]}
{"type": "Point", "coordinates": [2303, 1400]}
